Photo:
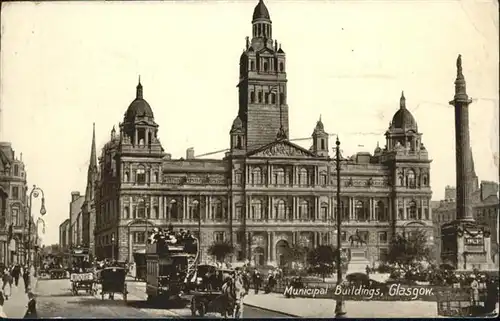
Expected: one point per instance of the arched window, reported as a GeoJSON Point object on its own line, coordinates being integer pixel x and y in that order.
{"type": "Point", "coordinates": [237, 177]}
{"type": "Point", "coordinates": [323, 179]}
{"type": "Point", "coordinates": [273, 98]}
{"type": "Point", "coordinates": [259, 96]}
{"type": "Point", "coordinates": [174, 210]}
{"type": "Point", "coordinates": [412, 210]}
{"type": "Point", "coordinates": [252, 97]}
{"type": "Point", "coordinates": [323, 147]}
{"type": "Point", "coordinates": [280, 210]}
{"type": "Point", "coordinates": [381, 212]}
{"type": "Point", "coordinates": [279, 176]}
{"type": "Point", "coordinates": [266, 98]}
{"type": "Point", "coordinates": [410, 179]}
{"type": "Point", "coordinates": [126, 212]}
{"type": "Point", "coordinates": [141, 176]}
{"type": "Point", "coordinates": [194, 210]}
{"type": "Point", "coordinates": [16, 170]}
{"type": "Point", "coordinates": [424, 180]}
{"type": "Point", "coordinates": [282, 66]}
{"type": "Point", "coordinates": [256, 210]}
{"type": "Point", "coordinates": [265, 65]}
{"type": "Point", "coordinates": [303, 177]}
{"type": "Point", "coordinates": [126, 177]}
{"type": "Point", "coordinates": [401, 180]}
{"type": "Point", "coordinates": [361, 212]}
{"type": "Point", "coordinates": [217, 210]}
{"type": "Point", "coordinates": [256, 176]}
{"type": "Point", "coordinates": [304, 210]}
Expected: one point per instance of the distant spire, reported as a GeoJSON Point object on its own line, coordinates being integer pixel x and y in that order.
{"type": "Point", "coordinates": [139, 89]}
{"type": "Point", "coordinates": [92, 171]}
{"type": "Point", "coordinates": [402, 101]}
{"type": "Point", "coordinates": [93, 153]}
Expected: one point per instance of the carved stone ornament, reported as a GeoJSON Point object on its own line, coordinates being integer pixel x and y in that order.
{"type": "Point", "coordinates": [369, 182]}
{"type": "Point", "coordinates": [281, 149]}
{"type": "Point", "coordinates": [349, 182]}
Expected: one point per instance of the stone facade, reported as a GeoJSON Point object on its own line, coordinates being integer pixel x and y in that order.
{"type": "Point", "coordinates": [76, 219]}
{"type": "Point", "coordinates": [13, 206]}
{"type": "Point", "coordinates": [64, 234]}
{"type": "Point", "coordinates": [485, 210]}
{"type": "Point", "coordinates": [267, 192]}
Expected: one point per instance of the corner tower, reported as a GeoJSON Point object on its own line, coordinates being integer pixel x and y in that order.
{"type": "Point", "coordinates": [262, 84]}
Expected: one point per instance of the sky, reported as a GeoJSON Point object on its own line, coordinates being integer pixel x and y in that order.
{"type": "Point", "coordinates": [65, 66]}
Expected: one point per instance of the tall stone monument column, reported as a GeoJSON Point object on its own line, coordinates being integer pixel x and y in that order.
{"type": "Point", "coordinates": [465, 244]}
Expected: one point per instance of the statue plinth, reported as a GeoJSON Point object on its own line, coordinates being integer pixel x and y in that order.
{"type": "Point", "coordinates": [466, 245]}
{"type": "Point", "coordinates": [357, 260]}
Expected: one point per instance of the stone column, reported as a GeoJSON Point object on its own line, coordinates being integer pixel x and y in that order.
{"type": "Point", "coordinates": [249, 245]}
{"type": "Point", "coordinates": [269, 247]}
{"type": "Point", "coordinates": [294, 205]}
{"type": "Point", "coordinates": [351, 208]}
{"type": "Point", "coordinates": [405, 214]}
{"type": "Point", "coordinates": [269, 175]}
{"type": "Point", "coordinates": [184, 207]}
{"type": "Point", "coordinates": [208, 213]}
{"type": "Point", "coordinates": [161, 210]}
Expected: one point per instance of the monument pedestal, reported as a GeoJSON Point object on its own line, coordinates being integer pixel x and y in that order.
{"type": "Point", "coordinates": [358, 261]}
{"type": "Point", "coordinates": [466, 245]}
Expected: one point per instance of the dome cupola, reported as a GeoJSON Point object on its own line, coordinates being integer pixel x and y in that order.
{"type": "Point", "coordinates": [403, 119]}
{"type": "Point", "coordinates": [260, 12]}
{"type": "Point", "coordinates": [139, 107]}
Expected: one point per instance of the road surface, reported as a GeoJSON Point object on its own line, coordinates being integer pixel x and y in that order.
{"type": "Point", "coordinates": [54, 299]}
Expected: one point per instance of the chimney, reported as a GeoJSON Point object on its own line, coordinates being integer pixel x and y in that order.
{"type": "Point", "coordinates": [74, 196]}
{"type": "Point", "coordinates": [190, 153]}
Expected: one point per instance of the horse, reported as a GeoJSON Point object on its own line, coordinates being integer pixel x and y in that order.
{"type": "Point", "coordinates": [230, 302]}
{"type": "Point", "coordinates": [356, 238]}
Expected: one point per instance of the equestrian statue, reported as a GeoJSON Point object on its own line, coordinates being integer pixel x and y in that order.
{"type": "Point", "coordinates": [357, 238]}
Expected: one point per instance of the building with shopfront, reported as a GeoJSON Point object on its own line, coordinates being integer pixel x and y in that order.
{"type": "Point", "coordinates": [267, 193]}
{"type": "Point", "coordinates": [14, 217]}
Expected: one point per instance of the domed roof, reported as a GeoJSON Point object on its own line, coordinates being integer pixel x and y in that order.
{"type": "Point", "coordinates": [403, 117]}
{"type": "Point", "coordinates": [260, 11]}
{"type": "Point", "coordinates": [139, 107]}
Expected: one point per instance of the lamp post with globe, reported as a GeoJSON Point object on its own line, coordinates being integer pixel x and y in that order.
{"type": "Point", "coordinates": [35, 193]}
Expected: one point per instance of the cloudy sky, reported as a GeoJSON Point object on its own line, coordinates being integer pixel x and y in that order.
{"type": "Point", "coordinates": [67, 65]}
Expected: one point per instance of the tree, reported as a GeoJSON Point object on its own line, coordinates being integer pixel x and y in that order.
{"type": "Point", "coordinates": [220, 250]}
{"type": "Point", "coordinates": [407, 250]}
{"type": "Point", "coordinates": [295, 253]}
{"type": "Point", "coordinates": [322, 259]}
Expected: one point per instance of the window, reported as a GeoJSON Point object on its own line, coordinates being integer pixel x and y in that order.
{"type": "Point", "coordinates": [15, 217]}
{"type": "Point", "coordinates": [217, 210]}
{"type": "Point", "coordinates": [282, 67]}
{"type": "Point", "coordinates": [219, 236]}
{"type": "Point", "coordinates": [126, 212]}
{"type": "Point", "coordinates": [141, 209]}
{"type": "Point", "coordinates": [303, 177]}
{"type": "Point", "coordinates": [344, 210]}
{"type": "Point", "coordinates": [280, 210]}
{"type": "Point", "coordinates": [239, 212]}
{"type": "Point", "coordinates": [304, 213]}
{"type": "Point", "coordinates": [424, 180]}
{"type": "Point", "coordinates": [279, 176]}
{"type": "Point", "coordinates": [126, 177]}
{"type": "Point", "coordinates": [361, 212]}
{"type": "Point", "coordinates": [156, 212]}
{"type": "Point", "coordinates": [252, 65]}
{"type": "Point", "coordinates": [382, 237]}
{"type": "Point", "coordinates": [412, 211]}
{"type": "Point", "coordinates": [400, 214]}
{"type": "Point", "coordinates": [381, 211]}
{"type": "Point", "coordinates": [343, 236]}
{"type": "Point", "coordinates": [410, 179]}
{"type": "Point", "coordinates": [282, 98]}
{"type": "Point", "coordinates": [256, 176]}
{"type": "Point", "coordinates": [426, 214]}
{"type": "Point", "coordinates": [252, 97]}
{"type": "Point", "coordinates": [15, 192]}
{"type": "Point", "coordinates": [323, 179]}
{"type": "Point", "coordinates": [259, 95]}
{"type": "Point", "coordinates": [194, 210]}
{"type": "Point", "coordinates": [139, 237]}
{"type": "Point", "coordinates": [323, 147]}
{"type": "Point", "coordinates": [401, 180]}
{"type": "Point", "coordinates": [256, 208]}
{"type": "Point", "coordinates": [265, 65]}
{"type": "Point", "coordinates": [156, 177]}
{"type": "Point", "coordinates": [324, 212]}
{"type": "Point", "coordinates": [237, 178]}
{"type": "Point", "coordinates": [273, 98]}
{"type": "Point", "coordinates": [266, 98]}
{"type": "Point", "coordinates": [16, 170]}
{"type": "Point", "coordinates": [174, 210]}
{"type": "Point", "coordinates": [141, 176]}
{"type": "Point", "coordinates": [240, 237]}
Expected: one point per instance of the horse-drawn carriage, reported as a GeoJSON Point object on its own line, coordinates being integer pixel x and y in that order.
{"type": "Point", "coordinates": [217, 290]}
{"type": "Point", "coordinates": [112, 280]}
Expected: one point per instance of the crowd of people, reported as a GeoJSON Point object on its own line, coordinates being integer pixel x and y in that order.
{"type": "Point", "coordinates": [10, 279]}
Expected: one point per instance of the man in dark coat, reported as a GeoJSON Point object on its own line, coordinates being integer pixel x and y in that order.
{"type": "Point", "coordinates": [31, 311]}
{"type": "Point", "coordinates": [16, 272]}
{"type": "Point", "coordinates": [26, 278]}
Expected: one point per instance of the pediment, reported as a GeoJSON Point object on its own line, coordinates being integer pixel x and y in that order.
{"type": "Point", "coordinates": [281, 149]}
{"type": "Point", "coordinates": [266, 51]}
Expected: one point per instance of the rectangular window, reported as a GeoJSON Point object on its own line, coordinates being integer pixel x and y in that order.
{"type": "Point", "coordinates": [219, 236]}
{"type": "Point", "coordinates": [141, 176]}
{"type": "Point", "coordinates": [139, 237]}
{"type": "Point", "coordinates": [382, 237]}
{"type": "Point", "coordinates": [237, 178]}
{"type": "Point", "coordinates": [15, 192]}
{"type": "Point", "coordinates": [239, 211]}
{"type": "Point", "coordinates": [15, 217]}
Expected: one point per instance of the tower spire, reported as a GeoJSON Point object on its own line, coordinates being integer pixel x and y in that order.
{"type": "Point", "coordinates": [402, 101]}
{"type": "Point", "coordinates": [93, 153]}
{"type": "Point", "coordinates": [92, 171]}
{"type": "Point", "coordinates": [139, 89]}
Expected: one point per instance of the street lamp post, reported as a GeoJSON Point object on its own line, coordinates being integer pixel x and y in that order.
{"type": "Point", "coordinates": [35, 192]}
{"type": "Point", "coordinates": [339, 306]}
{"type": "Point", "coordinates": [112, 248]}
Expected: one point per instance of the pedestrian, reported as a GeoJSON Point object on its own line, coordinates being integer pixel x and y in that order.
{"type": "Point", "coordinates": [474, 285]}
{"type": "Point", "coordinates": [2, 312]}
{"type": "Point", "coordinates": [31, 308]}
{"type": "Point", "coordinates": [26, 279]}
{"type": "Point", "coordinates": [16, 271]}
{"type": "Point", "coordinates": [7, 281]}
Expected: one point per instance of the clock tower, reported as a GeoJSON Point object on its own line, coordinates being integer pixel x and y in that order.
{"type": "Point", "coordinates": [262, 86]}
